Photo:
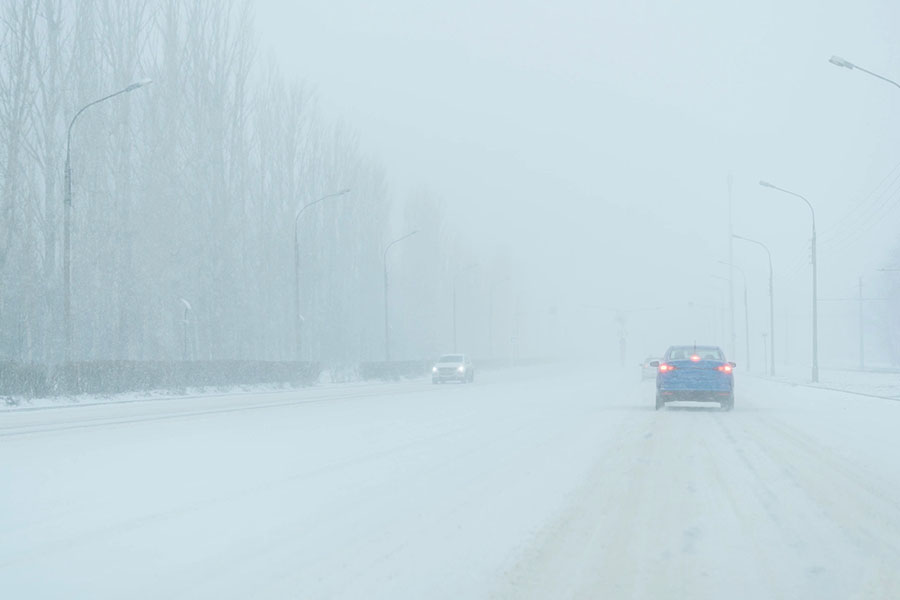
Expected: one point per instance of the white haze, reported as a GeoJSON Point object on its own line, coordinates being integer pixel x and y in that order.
{"type": "Point", "coordinates": [592, 143]}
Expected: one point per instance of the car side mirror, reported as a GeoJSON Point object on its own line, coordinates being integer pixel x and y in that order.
{"type": "Point", "coordinates": [654, 363]}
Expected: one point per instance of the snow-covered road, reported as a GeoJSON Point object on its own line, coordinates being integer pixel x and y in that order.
{"type": "Point", "coordinates": [555, 484]}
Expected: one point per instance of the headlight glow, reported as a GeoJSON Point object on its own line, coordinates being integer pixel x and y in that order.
{"type": "Point", "coordinates": [461, 369]}
{"type": "Point", "coordinates": [434, 369]}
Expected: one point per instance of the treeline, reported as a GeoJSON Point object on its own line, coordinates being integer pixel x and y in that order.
{"type": "Point", "coordinates": [184, 194]}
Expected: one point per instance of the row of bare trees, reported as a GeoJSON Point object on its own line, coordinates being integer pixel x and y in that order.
{"type": "Point", "coordinates": [184, 195]}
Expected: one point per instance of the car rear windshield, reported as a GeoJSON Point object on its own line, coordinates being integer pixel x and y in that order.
{"type": "Point", "coordinates": [704, 352]}
{"type": "Point", "coordinates": [451, 358]}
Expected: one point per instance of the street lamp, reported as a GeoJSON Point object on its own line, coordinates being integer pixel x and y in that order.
{"type": "Point", "coordinates": [746, 309]}
{"type": "Point", "coordinates": [298, 318]}
{"type": "Point", "coordinates": [815, 302]}
{"type": "Point", "coordinates": [846, 64]}
{"type": "Point", "coordinates": [387, 329]}
{"type": "Point", "coordinates": [67, 217]}
{"type": "Point", "coordinates": [771, 300]}
{"type": "Point", "coordinates": [184, 322]}
{"type": "Point", "coordinates": [455, 278]}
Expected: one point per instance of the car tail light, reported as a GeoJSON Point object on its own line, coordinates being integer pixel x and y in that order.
{"type": "Point", "coordinates": [695, 358]}
{"type": "Point", "coordinates": [724, 368]}
{"type": "Point", "coordinates": [665, 368]}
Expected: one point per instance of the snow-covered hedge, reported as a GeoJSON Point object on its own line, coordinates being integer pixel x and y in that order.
{"type": "Point", "coordinates": [116, 376]}
{"type": "Point", "coordinates": [395, 369]}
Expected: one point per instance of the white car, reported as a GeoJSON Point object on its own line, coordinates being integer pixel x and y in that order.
{"type": "Point", "coordinates": [453, 367]}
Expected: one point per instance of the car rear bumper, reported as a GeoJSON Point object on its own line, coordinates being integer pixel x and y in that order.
{"type": "Point", "coordinates": [694, 395]}
{"type": "Point", "coordinates": [446, 374]}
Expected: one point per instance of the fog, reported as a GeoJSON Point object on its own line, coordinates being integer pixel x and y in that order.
{"type": "Point", "coordinates": [593, 142]}
{"type": "Point", "coordinates": [568, 168]}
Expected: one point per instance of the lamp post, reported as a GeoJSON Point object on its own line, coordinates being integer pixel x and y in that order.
{"type": "Point", "coordinates": [733, 340]}
{"type": "Point", "coordinates": [746, 309]}
{"type": "Point", "coordinates": [298, 318]}
{"type": "Point", "coordinates": [387, 328]}
{"type": "Point", "coordinates": [184, 322]}
{"type": "Point", "coordinates": [67, 217]}
{"type": "Point", "coordinates": [771, 357]}
{"type": "Point", "coordinates": [815, 302]}
{"type": "Point", "coordinates": [846, 64]}
{"type": "Point", "coordinates": [455, 279]}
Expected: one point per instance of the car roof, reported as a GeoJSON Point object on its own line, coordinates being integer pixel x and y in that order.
{"type": "Point", "coordinates": [693, 347]}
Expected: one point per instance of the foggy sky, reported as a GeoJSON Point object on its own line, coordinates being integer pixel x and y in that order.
{"type": "Point", "coordinates": [592, 141]}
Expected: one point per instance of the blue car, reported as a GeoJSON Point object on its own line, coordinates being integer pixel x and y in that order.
{"type": "Point", "coordinates": [695, 373]}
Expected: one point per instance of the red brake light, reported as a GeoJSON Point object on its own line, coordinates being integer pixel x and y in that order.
{"type": "Point", "coordinates": [695, 358]}
{"type": "Point", "coordinates": [665, 368]}
{"type": "Point", "coordinates": [724, 368]}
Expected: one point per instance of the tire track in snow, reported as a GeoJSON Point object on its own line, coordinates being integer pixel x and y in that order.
{"type": "Point", "coordinates": [864, 516]}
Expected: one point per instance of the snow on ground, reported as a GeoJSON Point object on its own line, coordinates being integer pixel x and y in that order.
{"type": "Point", "coordinates": [17, 403]}
{"type": "Point", "coordinates": [555, 484]}
{"type": "Point", "coordinates": [877, 382]}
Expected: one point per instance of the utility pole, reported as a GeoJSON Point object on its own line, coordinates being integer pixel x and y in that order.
{"type": "Point", "coordinates": [766, 352]}
{"type": "Point", "coordinates": [743, 273]}
{"type": "Point", "coordinates": [731, 268]}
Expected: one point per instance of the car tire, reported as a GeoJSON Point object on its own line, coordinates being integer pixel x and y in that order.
{"type": "Point", "coordinates": [728, 405]}
{"type": "Point", "coordinates": [659, 402]}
